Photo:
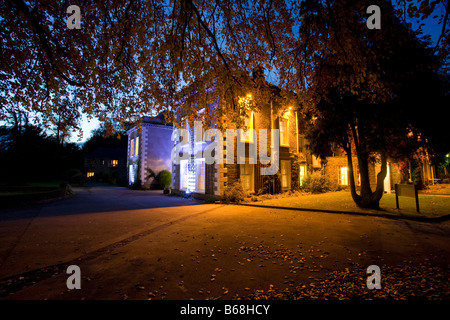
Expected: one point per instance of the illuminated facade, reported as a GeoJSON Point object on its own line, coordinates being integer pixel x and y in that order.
{"type": "Point", "coordinates": [148, 148]}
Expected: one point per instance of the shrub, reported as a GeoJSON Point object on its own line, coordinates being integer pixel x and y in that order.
{"type": "Point", "coordinates": [318, 183]}
{"type": "Point", "coordinates": [271, 184]}
{"type": "Point", "coordinates": [233, 193]}
{"type": "Point", "coordinates": [164, 179]}
{"type": "Point", "coordinates": [75, 176]}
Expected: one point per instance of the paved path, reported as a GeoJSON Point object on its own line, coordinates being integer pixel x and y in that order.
{"type": "Point", "coordinates": [140, 245]}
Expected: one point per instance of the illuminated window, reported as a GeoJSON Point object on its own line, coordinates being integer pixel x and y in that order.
{"type": "Point", "coordinates": [184, 174]}
{"type": "Point", "coordinates": [247, 177]}
{"type": "Point", "coordinates": [249, 124]}
{"type": "Point", "coordinates": [343, 176]}
{"type": "Point", "coordinates": [302, 174]}
{"type": "Point", "coordinates": [131, 173]}
{"type": "Point", "coordinates": [285, 174]}
{"type": "Point", "coordinates": [200, 175]}
{"type": "Point", "coordinates": [90, 174]}
{"type": "Point", "coordinates": [136, 149]}
{"type": "Point", "coordinates": [284, 132]}
{"type": "Point", "coordinates": [132, 148]}
{"type": "Point", "coordinates": [315, 162]}
{"type": "Point", "coordinates": [114, 163]}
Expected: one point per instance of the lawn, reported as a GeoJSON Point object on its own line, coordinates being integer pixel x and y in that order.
{"type": "Point", "coordinates": [430, 206]}
{"type": "Point", "coordinates": [30, 193]}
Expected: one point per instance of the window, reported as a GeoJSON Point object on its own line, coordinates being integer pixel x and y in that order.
{"type": "Point", "coordinates": [136, 149]}
{"type": "Point", "coordinates": [315, 162]}
{"type": "Point", "coordinates": [301, 144]}
{"type": "Point", "coordinates": [90, 174]}
{"type": "Point", "coordinates": [131, 173]}
{"type": "Point", "coordinates": [302, 174]}
{"type": "Point", "coordinates": [184, 174]}
{"type": "Point", "coordinates": [132, 148]}
{"type": "Point", "coordinates": [343, 176]}
{"type": "Point", "coordinates": [249, 124]}
{"type": "Point", "coordinates": [247, 177]}
{"type": "Point", "coordinates": [284, 132]}
{"type": "Point", "coordinates": [285, 174]}
{"type": "Point", "coordinates": [200, 175]}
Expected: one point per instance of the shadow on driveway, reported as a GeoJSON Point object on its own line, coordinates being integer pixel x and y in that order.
{"type": "Point", "coordinates": [99, 198]}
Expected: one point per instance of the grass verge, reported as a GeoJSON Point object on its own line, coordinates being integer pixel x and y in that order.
{"type": "Point", "coordinates": [431, 207]}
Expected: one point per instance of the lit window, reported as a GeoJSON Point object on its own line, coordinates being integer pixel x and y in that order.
{"type": "Point", "coordinates": [136, 149]}
{"type": "Point", "coordinates": [315, 162]}
{"type": "Point", "coordinates": [249, 126]}
{"type": "Point", "coordinates": [114, 163]}
{"type": "Point", "coordinates": [132, 148]}
{"type": "Point", "coordinates": [131, 174]}
{"type": "Point", "coordinates": [247, 177]}
{"type": "Point", "coordinates": [284, 132]}
{"type": "Point", "coordinates": [200, 175]}
{"type": "Point", "coordinates": [343, 176]}
{"type": "Point", "coordinates": [90, 174]}
{"type": "Point", "coordinates": [302, 174]}
{"type": "Point", "coordinates": [285, 174]}
{"type": "Point", "coordinates": [184, 174]}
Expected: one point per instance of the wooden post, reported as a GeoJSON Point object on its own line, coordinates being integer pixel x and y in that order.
{"type": "Point", "coordinates": [396, 195]}
{"type": "Point", "coordinates": [417, 198]}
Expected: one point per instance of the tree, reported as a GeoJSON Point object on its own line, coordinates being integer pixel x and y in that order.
{"type": "Point", "coordinates": [368, 90]}
{"type": "Point", "coordinates": [133, 57]}
{"type": "Point", "coordinates": [100, 138]}
{"type": "Point", "coordinates": [27, 154]}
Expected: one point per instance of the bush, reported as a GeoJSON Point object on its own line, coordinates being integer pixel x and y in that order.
{"type": "Point", "coordinates": [75, 176]}
{"type": "Point", "coordinates": [271, 184]}
{"type": "Point", "coordinates": [234, 193]}
{"type": "Point", "coordinates": [164, 179]}
{"type": "Point", "coordinates": [318, 183]}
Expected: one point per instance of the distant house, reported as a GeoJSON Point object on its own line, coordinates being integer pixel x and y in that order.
{"type": "Point", "coordinates": [149, 147]}
{"type": "Point", "coordinates": [106, 165]}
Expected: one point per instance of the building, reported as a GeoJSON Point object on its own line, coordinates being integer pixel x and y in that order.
{"type": "Point", "coordinates": [149, 147]}
{"type": "Point", "coordinates": [106, 165]}
{"type": "Point", "coordinates": [193, 175]}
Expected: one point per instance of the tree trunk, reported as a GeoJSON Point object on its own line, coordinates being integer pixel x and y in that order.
{"type": "Point", "coordinates": [367, 199]}
{"type": "Point", "coordinates": [355, 196]}
{"type": "Point", "coordinates": [376, 196]}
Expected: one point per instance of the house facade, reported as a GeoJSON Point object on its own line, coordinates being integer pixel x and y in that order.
{"type": "Point", "coordinates": [106, 165]}
{"type": "Point", "coordinates": [193, 175]}
{"type": "Point", "coordinates": [152, 144]}
{"type": "Point", "coordinates": [149, 147]}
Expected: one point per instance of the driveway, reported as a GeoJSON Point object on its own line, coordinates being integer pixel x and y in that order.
{"type": "Point", "coordinates": [142, 244]}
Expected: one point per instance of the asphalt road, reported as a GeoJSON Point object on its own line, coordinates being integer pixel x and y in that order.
{"type": "Point", "coordinates": [142, 244]}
